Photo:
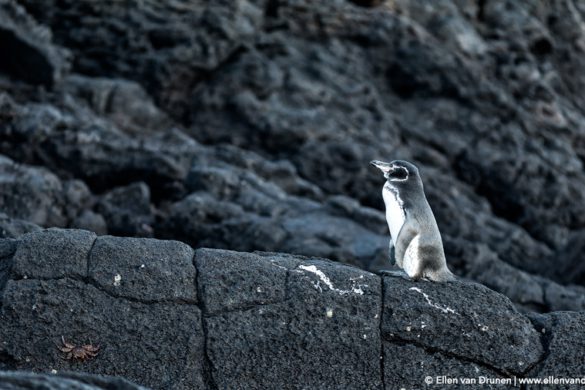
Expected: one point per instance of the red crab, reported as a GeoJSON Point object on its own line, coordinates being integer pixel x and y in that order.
{"type": "Point", "coordinates": [72, 351]}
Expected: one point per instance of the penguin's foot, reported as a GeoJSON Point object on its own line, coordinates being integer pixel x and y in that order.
{"type": "Point", "coordinates": [394, 273]}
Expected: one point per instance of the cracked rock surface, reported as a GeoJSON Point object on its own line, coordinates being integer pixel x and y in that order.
{"type": "Point", "coordinates": [253, 130]}
{"type": "Point", "coordinates": [134, 298]}
{"type": "Point", "coordinates": [20, 380]}
{"type": "Point", "coordinates": [167, 316]}
{"type": "Point", "coordinates": [247, 126]}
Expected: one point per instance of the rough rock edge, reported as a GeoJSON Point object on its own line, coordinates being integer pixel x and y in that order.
{"type": "Point", "coordinates": [37, 42]}
{"type": "Point", "coordinates": [57, 381]}
{"type": "Point", "coordinates": [394, 339]}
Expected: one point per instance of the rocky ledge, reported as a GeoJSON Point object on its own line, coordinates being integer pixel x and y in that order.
{"type": "Point", "coordinates": [63, 381]}
{"type": "Point", "coordinates": [253, 130]}
{"type": "Point", "coordinates": [167, 316]}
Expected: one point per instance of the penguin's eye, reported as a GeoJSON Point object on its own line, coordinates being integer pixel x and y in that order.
{"type": "Point", "coordinates": [399, 174]}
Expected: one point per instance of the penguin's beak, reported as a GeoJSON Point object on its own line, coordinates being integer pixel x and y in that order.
{"type": "Point", "coordinates": [383, 166]}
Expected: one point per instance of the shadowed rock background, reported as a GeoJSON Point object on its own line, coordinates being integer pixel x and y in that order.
{"type": "Point", "coordinates": [248, 125]}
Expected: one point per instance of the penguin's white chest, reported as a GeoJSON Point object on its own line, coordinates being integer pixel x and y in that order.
{"type": "Point", "coordinates": [395, 215]}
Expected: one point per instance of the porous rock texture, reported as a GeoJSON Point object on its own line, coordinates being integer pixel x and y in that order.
{"type": "Point", "coordinates": [28, 54]}
{"type": "Point", "coordinates": [21, 380]}
{"type": "Point", "coordinates": [248, 125]}
{"type": "Point", "coordinates": [167, 316]}
{"type": "Point", "coordinates": [253, 131]}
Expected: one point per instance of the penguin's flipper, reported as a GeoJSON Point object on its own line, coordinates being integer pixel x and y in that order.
{"type": "Point", "coordinates": [392, 252]}
{"type": "Point", "coordinates": [405, 236]}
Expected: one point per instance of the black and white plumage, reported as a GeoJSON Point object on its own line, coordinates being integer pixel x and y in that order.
{"type": "Point", "coordinates": [418, 247]}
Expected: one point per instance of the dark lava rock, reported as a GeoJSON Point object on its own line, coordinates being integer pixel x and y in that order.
{"type": "Point", "coordinates": [288, 101]}
{"type": "Point", "coordinates": [29, 53]}
{"type": "Point", "coordinates": [226, 197]}
{"type": "Point", "coordinates": [133, 328]}
{"type": "Point", "coordinates": [143, 270]}
{"type": "Point", "coordinates": [259, 320]}
{"type": "Point", "coordinates": [473, 326]}
{"type": "Point", "coordinates": [33, 194]}
{"type": "Point", "coordinates": [367, 3]}
{"type": "Point", "coordinates": [234, 208]}
{"type": "Point", "coordinates": [410, 365]}
{"type": "Point", "coordinates": [89, 220]}
{"type": "Point", "coordinates": [20, 380]}
{"type": "Point", "coordinates": [570, 271]}
{"type": "Point", "coordinates": [132, 336]}
{"type": "Point", "coordinates": [123, 102]}
{"type": "Point", "coordinates": [74, 141]}
{"type": "Point", "coordinates": [128, 211]}
{"type": "Point", "coordinates": [173, 57]}
{"type": "Point", "coordinates": [562, 338]}
{"type": "Point", "coordinates": [7, 247]}
{"type": "Point", "coordinates": [249, 126]}
{"type": "Point", "coordinates": [12, 228]}
{"type": "Point", "coordinates": [288, 323]}
{"type": "Point", "coordinates": [7, 250]}
{"type": "Point", "coordinates": [529, 292]}
{"type": "Point", "coordinates": [241, 277]}
{"type": "Point", "coordinates": [53, 254]}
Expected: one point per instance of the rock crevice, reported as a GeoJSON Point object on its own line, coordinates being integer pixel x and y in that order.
{"type": "Point", "coordinates": [255, 319]}
{"type": "Point", "coordinates": [207, 366]}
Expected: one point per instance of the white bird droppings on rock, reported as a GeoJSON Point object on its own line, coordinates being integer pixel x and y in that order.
{"type": "Point", "coordinates": [329, 313]}
{"type": "Point", "coordinates": [356, 288]}
{"type": "Point", "coordinates": [117, 280]}
{"type": "Point", "coordinates": [278, 265]}
{"type": "Point", "coordinates": [444, 309]}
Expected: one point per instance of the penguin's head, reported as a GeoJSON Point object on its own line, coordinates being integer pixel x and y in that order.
{"type": "Point", "coordinates": [399, 173]}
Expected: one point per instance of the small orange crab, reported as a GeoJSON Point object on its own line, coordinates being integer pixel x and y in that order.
{"type": "Point", "coordinates": [85, 352]}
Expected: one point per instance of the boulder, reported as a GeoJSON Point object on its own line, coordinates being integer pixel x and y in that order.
{"type": "Point", "coordinates": [254, 130]}
{"type": "Point", "coordinates": [429, 316]}
{"type": "Point", "coordinates": [128, 211]}
{"type": "Point", "coordinates": [562, 342]}
{"type": "Point", "coordinates": [124, 102]}
{"type": "Point", "coordinates": [12, 228]}
{"type": "Point", "coordinates": [110, 294]}
{"type": "Point", "coordinates": [276, 321]}
{"type": "Point", "coordinates": [36, 195]}
{"type": "Point", "coordinates": [164, 315]}
{"type": "Point", "coordinates": [21, 380]}
{"type": "Point", "coordinates": [27, 48]}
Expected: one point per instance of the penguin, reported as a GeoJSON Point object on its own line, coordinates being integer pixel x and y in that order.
{"type": "Point", "coordinates": [415, 236]}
